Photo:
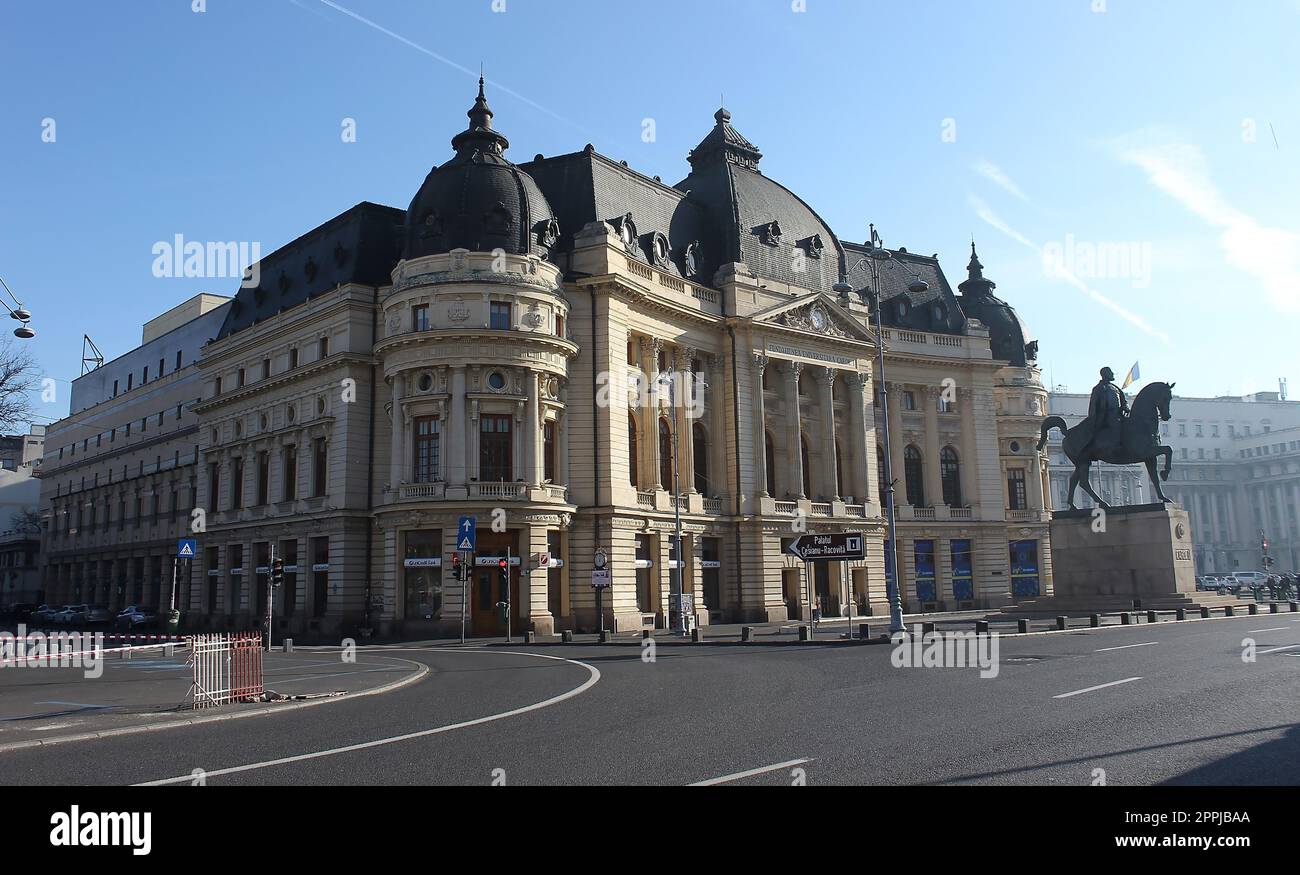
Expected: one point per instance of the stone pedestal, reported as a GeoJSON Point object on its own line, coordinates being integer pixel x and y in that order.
{"type": "Point", "coordinates": [1142, 552]}
{"type": "Point", "coordinates": [1106, 561]}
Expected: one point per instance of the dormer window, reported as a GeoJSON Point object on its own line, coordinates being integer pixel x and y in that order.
{"type": "Point", "coordinates": [431, 225]}
{"type": "Point", "coordinates": [691, 258]}
{"type": "Point", "coordinates": [499, 220]}
{"type": "Point", "coordinates": [548, 233]}
{"type": "Point", "coordinates": [814, 246]}
{"type": "Point", "coordinates": [659, 249]}
{"type": "Point", "coordinates": [772, 234]}
{"type": "Point", "coordinates": [627, 232]}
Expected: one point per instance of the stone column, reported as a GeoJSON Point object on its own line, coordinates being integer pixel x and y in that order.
{"type": "Point", "coordinates": [396, 465]}
{"type": "Point", "coordinates": [858, 453]}
{"type": "Point", "coordinates": [895, 402]}
{"type": "Point", "coordinates": [533, 474]}
{"type": "Point", "coordinates": [760, 425]}
{"type": "Point", "coordinates": [794, 431]}
{"type": "Point", "coordinates": [683, 397]}
{"type": "Point", "coordinates": [457, 473]}
{"type": "Point", "coordinates": [828, 432]}
{"type": "Point", "coordinates": [714, 399]}
{"type": "Point", "coordinates": [649, 403]}
{"type": "Point", "coordinates": [967, 463]}
{"type": "Point", "coordinates": [933, 478]}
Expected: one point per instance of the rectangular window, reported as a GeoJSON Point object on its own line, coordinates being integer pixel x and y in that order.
{"type": "Point", "coordinates": [320, 575]}
{"type": "Point", "coordinates": [214, 484]}
{"type": "Point", "coordinates": [266, 369]}
{"type": "Point", "coordinates": [495, 448]}
{"type": "Point", "coordinates": [320, 467]}
{"type": "Point", "coordinates": [548, 452]}
{"type": "Point", "coordinates": [423, 582]}
{"type": "Point", "coordinates": [428, 445]}
{"type": "Point", "coordinates": [263, 478]}
{"type": "Point", "coordinates": [499, 316]}
{"type": "Point", "coordinates": [216, 386]}
{"type": "Point", "coordinates": [289, 589]}
{"type": "Point", "coordinates": [1016, 492]}
{"type": "Point", "coordinates": [290, 473]}
{"type": "Point", "coordinates": [923, 556]}
{"type": "Point", "coordinates": [559, 325]}
{"type": "Point", "coordinates": [909, 400]}
{"type": "Point", "coordinates": [145, 378]}
{"type": "Point", "coordinates": [236, 579]}
{"type": "Point", "coordinates": [324, 348]}
{"type": "Point", "coordinates": [130, 381]}
{"type": "Point", "coordinates": [115, 388]}
{"type": "Point", "coordinates": [239, 384]}
{"type": "Point", "coordinates": [162, 366]}
{"type": "Point", "coordinates": [420, 317]}
{"type": "Point", "coordinates": [293, 357]}
{"type": "Point", "coordinates": [178, 359]}
{"type": "Point", "coordinates": [237, 483]}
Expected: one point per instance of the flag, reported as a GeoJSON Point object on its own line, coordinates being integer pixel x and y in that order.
{"type": "Point", "coordinates": [1133, 376]}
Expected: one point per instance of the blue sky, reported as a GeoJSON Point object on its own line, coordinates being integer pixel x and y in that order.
{"type": "Point", "coordinates": [1170, 127]}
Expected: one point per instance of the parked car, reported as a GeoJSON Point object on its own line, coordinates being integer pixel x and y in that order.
{"type": "Point", "coordinates": [1250, 578]}
{"type": "Point", "coordinates": [44, 615]}
{"type": "Point", "coordinates": [21, 612]}
{"type": "Point", "coordinates": [137, 616]}
{"type": "Point", "coordinates": [71, 615]}
{"type": "Point", "coordinates": [97, 615]}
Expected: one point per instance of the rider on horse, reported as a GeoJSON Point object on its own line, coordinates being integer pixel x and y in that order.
{"type": "Point", "coordinates": [1106, 411]}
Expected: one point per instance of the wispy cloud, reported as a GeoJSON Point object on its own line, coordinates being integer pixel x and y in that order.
{"type": "Point", "coordinates": [1180, 170]}
{"type": "Point", "coordinates": [994, 174]}
{"type": "Point", "coordinates": [1059, 271]}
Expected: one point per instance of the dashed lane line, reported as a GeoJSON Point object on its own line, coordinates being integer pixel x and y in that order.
{"type": "Point", "coordinates": [1126, 647]}
{"type": "Point", "coordinates": [1098, 687]}
{"type": "Point", "coordinates": [763, 770]}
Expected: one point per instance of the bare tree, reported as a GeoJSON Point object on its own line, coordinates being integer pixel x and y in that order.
{"type": "Point", "coordinates": [26, 521]}
{"type": "Point", "coordinates": [18, 379]}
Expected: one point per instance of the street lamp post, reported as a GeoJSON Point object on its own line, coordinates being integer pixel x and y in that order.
{"type": "Point", "coordinates": [877, 255]}
{"type": "Point", "coordinates": [20, 313]}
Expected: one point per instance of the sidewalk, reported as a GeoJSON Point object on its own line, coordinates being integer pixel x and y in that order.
{"type": "Point", "coordinates": [151, 691]}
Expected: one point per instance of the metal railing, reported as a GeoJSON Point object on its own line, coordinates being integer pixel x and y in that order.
{"type": "Point", "coordinates": [225, 669]}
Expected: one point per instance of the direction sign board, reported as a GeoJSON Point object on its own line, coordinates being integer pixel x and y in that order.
{"type": "Point", "coordinates": [186, 548]}
{"type": "Point", "coordinates": [467, 534]}
{"type": "Point", "coordinates": [601, 578]}
{"type": "Point", "coordinates": [828, 548]}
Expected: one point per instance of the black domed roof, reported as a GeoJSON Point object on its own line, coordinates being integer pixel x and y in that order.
{"type": "Point", "coordinates": [765, 224]}
{"type": "Point", "coordinates": [1008, 337]}
{"type": "Point", "coordinates": [479, 200]}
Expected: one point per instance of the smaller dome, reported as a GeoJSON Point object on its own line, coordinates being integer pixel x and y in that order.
{"type": "Point", "coordinates": [1008, 336]}
{"type": "Point", "coordinates": [479, 200]}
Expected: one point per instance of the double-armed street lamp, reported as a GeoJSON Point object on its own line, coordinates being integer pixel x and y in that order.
{"type": "Point", "coordinates": [20, 312]}
{"type": "Point", "coordinates": [877, 256]}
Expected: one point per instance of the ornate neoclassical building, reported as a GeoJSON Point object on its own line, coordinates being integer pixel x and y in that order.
{"type": "Point", "coordinates": [577, 355]}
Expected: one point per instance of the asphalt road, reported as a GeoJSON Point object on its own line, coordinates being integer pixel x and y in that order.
{"type": "Point", "coordinates": [1169, 703]}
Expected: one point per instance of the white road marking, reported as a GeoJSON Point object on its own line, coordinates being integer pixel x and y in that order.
{"type": "Point", "coordinates": [1274, 629]}
{"type": "Point", "coordinates": [1278, 649]}
{"type": "Point", "coordinates": [1125, 647]}
{"type": "Point", "coordinates": [380, 742]}
{"type": "Point", "coordinates": [749, 774]}
{"type": "Point", "coordinates": [1094, 689]}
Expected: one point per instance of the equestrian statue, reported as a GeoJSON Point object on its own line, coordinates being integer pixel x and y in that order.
{"type": "Point", "coordinates": [1116, 435]}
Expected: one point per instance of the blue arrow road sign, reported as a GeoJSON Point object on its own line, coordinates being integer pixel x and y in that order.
{"type": "Point", "coordinates": [466, 535]}
{"type": "Point", "coordinates": [185, 549]}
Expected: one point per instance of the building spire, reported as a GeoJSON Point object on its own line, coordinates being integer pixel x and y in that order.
{"type": "Point", "coordinates": [974, 270]}
{"type": "Point", "coordinates": [480, 136]}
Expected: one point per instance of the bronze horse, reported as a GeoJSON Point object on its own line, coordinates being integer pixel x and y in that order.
{"type": "Point", "coordinates": [1139, 442]}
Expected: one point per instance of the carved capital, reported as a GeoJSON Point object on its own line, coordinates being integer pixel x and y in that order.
{"type": "Point", "coordinates": [794, 369]}
{"type": "Point", "coordinates": [828, 376]}
{"type": "Point", "coordinates": [760, 362]}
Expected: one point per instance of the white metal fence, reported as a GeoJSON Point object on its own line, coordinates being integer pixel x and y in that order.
{"type": "Point", "coordinates": [225, 668]}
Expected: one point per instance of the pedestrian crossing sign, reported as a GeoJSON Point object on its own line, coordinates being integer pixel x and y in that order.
{"type": "Point", "coordinates": [185, 549]}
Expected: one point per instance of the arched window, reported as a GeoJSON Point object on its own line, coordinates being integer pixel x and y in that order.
{"type": "Point", "coordinates": [950, 473]}
{"type": "Point", "coordinates": [770, 463]}
{"type": "Point", "coordinates": [632, 452]}
{"type": "Point", "coordinates": [665, 454]}
{"type": "Point", "coordinates": [914, 477]}
{"type": "Point", "coordinates": [803, 453]}
{"type": "Point", "coordinates": [701, 441]}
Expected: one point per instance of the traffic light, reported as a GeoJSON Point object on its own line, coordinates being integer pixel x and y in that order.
{"type": "Point", "coordinates": [456, 567]}
{"type": "Point", "coordinates": [277, 572]}
{"type": "Point", "coordinates": [504, 565]}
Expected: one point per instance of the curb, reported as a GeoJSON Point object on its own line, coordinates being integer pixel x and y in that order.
{"type": "Point", "coordinates": [417, 675]}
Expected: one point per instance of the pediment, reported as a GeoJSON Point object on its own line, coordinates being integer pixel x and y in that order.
{"type": "Point", "coordinates": [816, 314]}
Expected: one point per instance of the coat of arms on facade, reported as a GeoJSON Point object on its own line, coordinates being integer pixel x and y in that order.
{"type": "Point", "coordinates": [458, 311]}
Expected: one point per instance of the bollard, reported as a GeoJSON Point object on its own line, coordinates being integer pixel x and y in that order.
{"type": "Point", "coordinates": [1205, 613]}
{"type": "Point", "coordinates": [1137, 604]}
{"type": "Point", "coordinates": [1274, 608]}
{"type": "Point", "coordinates": [803, 633]}
{"type": "Point", "coordinates": [1182, 613]}
{"type": "Point", "coordinates": [1152, 617]}
{"type": "Point", "coordinates": [567, 636]}
{"type": "Point", "coordinates": [1230, 611]}
{"type": "Point", "coordinates": [981, 627]}
{"type": "Point", "coordinates": [1062, 623]}
{"type": "Point", "coordinates": [864, 631]}
{"type": "Point", "coordinates": [927, 628]}
{"type": "Point", "coordinates": [1095, 621]}
{"type": "Point", "coordinates": [1295, 606]}
{"type": "Point", "coordinates": [286, 646]}
{"type": "Point", "coordinates": [746, 633]}
{"type": "Point", "coordinates": [1126, 619]}
{"type": "Point", "coordinates": [169, 650]}
{"type": "Point", "coordinates": [530, 637]}
{"type": "Point", "coordinates": [645, 634]}
{"type": "Point", "coordinates": [1022, 626]}
{"type": "Point", "coordinates": [1254, 608]}
{"type": "Point", "coordinates": [604, 637]}
{"type": "Point", "coordinates": [697, 635]}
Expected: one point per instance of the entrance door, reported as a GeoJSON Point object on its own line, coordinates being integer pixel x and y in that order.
{"type": "Point", "coordinates": [488, 588]}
